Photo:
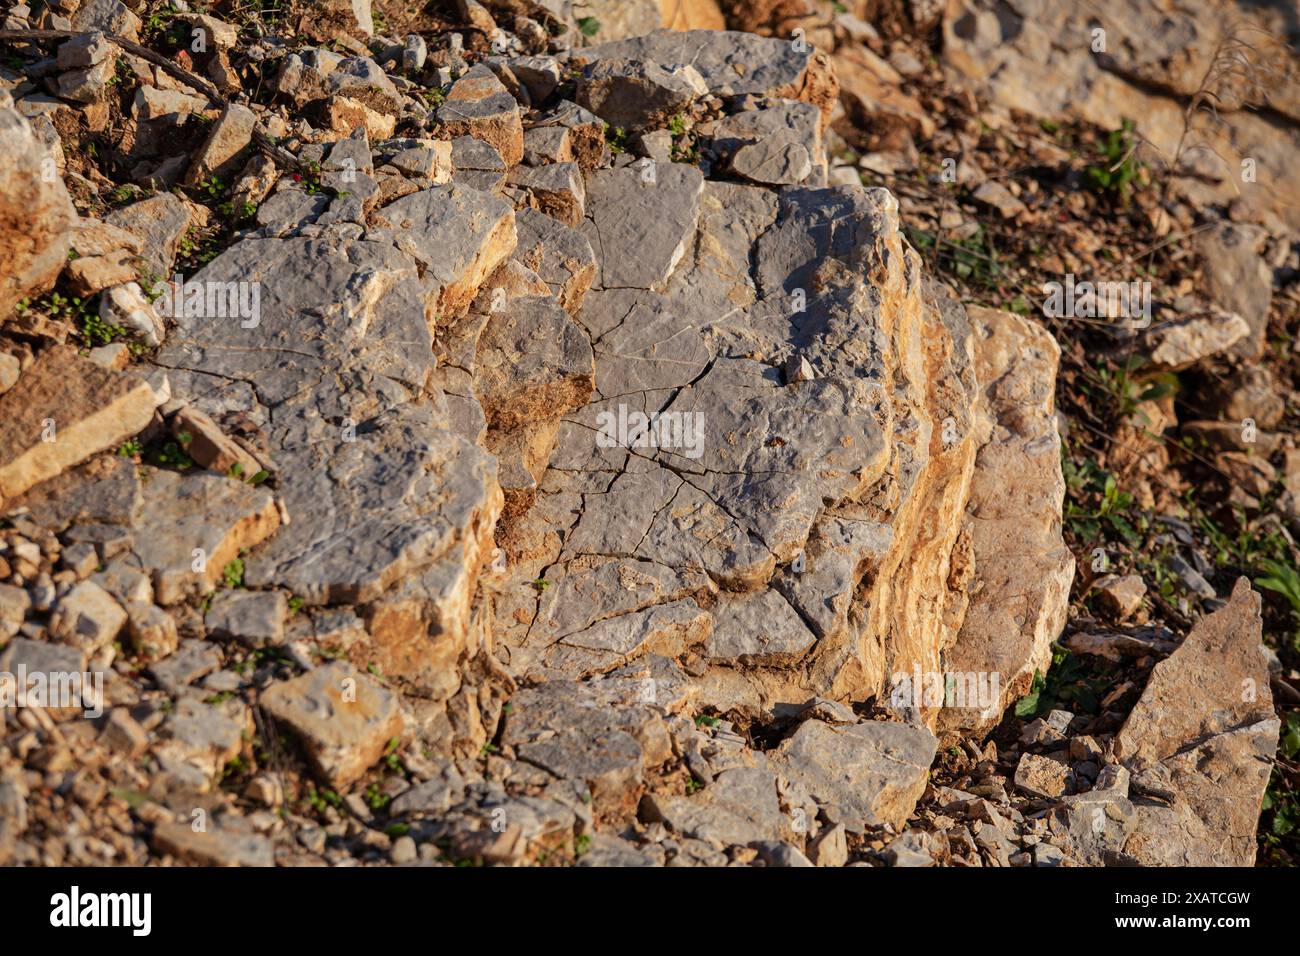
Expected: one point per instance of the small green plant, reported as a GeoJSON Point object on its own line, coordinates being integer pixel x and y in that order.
{"type": "Point", "coordinates": [1089, 482]}
{"type": "Point", "coordinates": [97, 332]}
{"type": "Point", "coordinates": [310, 179]}
{"type": "Point", "coordinates": [375, 798]}
{"type": "Point", "coordinates": [1067, 684]}
{"type": "Point", "coordinates": [617, 138]}
{"type": "Point", "coordinates": [123, 194]}
{"type": "Point", "coordinates": [589, 26]}
{"type": "Point", "coordinates": [974, 258]}
{"type": "Point", "coordinates": [391, 760]}
{"type": "Point", "coordinates": [1282, 579]}
{"type": "Point", "coordinates": [1120, 170]}
{"type": "Point", "coordinates": [212, 187]}
{"type": "Point", "coordinates": [129, 449]}
{"type": "Point", "coordinates": [232, 575]}
{"type": "Point", "coordinates": [693, 786]}
{"type": "Point", "coordinates": [169, 454]}
{"type": "Point", "coordinates": [321, 800]}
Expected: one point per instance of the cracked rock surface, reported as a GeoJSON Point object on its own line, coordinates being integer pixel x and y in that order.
{"type": "Point", "coordinates": [534, 495]}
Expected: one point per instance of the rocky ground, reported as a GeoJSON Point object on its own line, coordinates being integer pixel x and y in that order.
{"type": "Point", "coordinates": [513, 433]}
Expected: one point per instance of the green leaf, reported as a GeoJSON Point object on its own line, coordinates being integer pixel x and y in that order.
{"type": "Point", "coordinates": [1027, 706]}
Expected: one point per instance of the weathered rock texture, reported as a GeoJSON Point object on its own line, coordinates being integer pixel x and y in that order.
{"type": "Point", "coordinates": [622, 477]}
{"type": "Point", "coordinates": [1040, 58]}
{"type": "Point", "coordinates": [1204, 734]}
{"type": "Point", "coordinates": [36, 212]}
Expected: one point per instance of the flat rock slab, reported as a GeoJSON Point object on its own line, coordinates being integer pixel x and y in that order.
{"type": "Point", "coordinates": [639, 226]}
{"type": "Point", "coordinates": [861, 775]}
{"type": "Point", "coordinates": [733, 64]}
{"type": "Point", "coordinates": [1022, 569]}
{"type": "Point", "coordinates": [375, 485]}
{"type": "Point", "coordinates": [459, 234]}
{"type": "Point", "coordinates": [1215, 682]}
{"type": "Point", "coordinates": [193, 526]}
{"type": "Point", "coordinates": [739, 807]}
{"type": "Point", "coordinates": [63, 410]}
{"type": "Point", "coordinates": [221, 845]}
{"type": "Point", "coordinates": [577, 732]}
{"type": "Point", "coordinates": [758, 629]}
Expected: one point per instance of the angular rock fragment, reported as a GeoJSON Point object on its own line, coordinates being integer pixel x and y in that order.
{"type": "Point", "coordinates": [556, 190]}
{"type": "Point", "coordinates": [102, 255]}
{"type": "Point", "coordinates": [740, 807]}
{"type": "Point", "coordinates": [198, 739]}
{"type": "Point", "coordinates": [1181, 343]}
{"type": "Point", "coordinates": [106, 16]}
{"type": "Point", "coordinates": [733, 64]}
{"type": "Point", "coordinates": [780, 145]}
{"type": "Point", "coordinates": [63, 410]}
{"type": "Point", "coordinates": [432, 225]}
{"type": "Point", "coordinates": [562, 257]}
{"type": "Point", "coordinates": [152, 630]}
{"type": "Point", "coordinates": [585, 132]}
{"type": "Point", "coordinates": [224, 844]}
{"type": "Point", "coordinates": [1205, 727]}
{"type": "Point", "coordinates": [478, 105]}
{"type": "Point", "coordinates": [638, 94]}
{"type": "Point", "coordinates": [1020, 593]}
{"type": "Point", "coordinates": [344, 719]}
{"type": "Point", "coordinates": [204, 441]}
{"type": "Point", "coordinates": [254, 618]}
{"type": "Point", "coordinates": [862, 774]}
{"type": "Point", "coordinates": [567, 730]}
{"type": "Point", "coordinates": [87, 617]}
{"type": "Point", "coordinates": [221, 154]}
{"type": "Point", "coordinates": [477, 164]}
{"type": "Point", "coordinates": [194, 529]}
{"type": "Point", "coordinates": [1120, 596]}
{"type": "Point", "coordinates": [1042, 777]}
{"type": "Point", "coordinates": [126, 306]}
{"type": "Point", "coordinates": [160, 222]}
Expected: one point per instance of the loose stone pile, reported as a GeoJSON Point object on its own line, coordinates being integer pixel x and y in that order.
{"type": "Point", "coordinates": [572, 475]}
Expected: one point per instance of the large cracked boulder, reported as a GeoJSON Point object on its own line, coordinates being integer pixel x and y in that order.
{"type": "Point", "coordinates": [567, 454]}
